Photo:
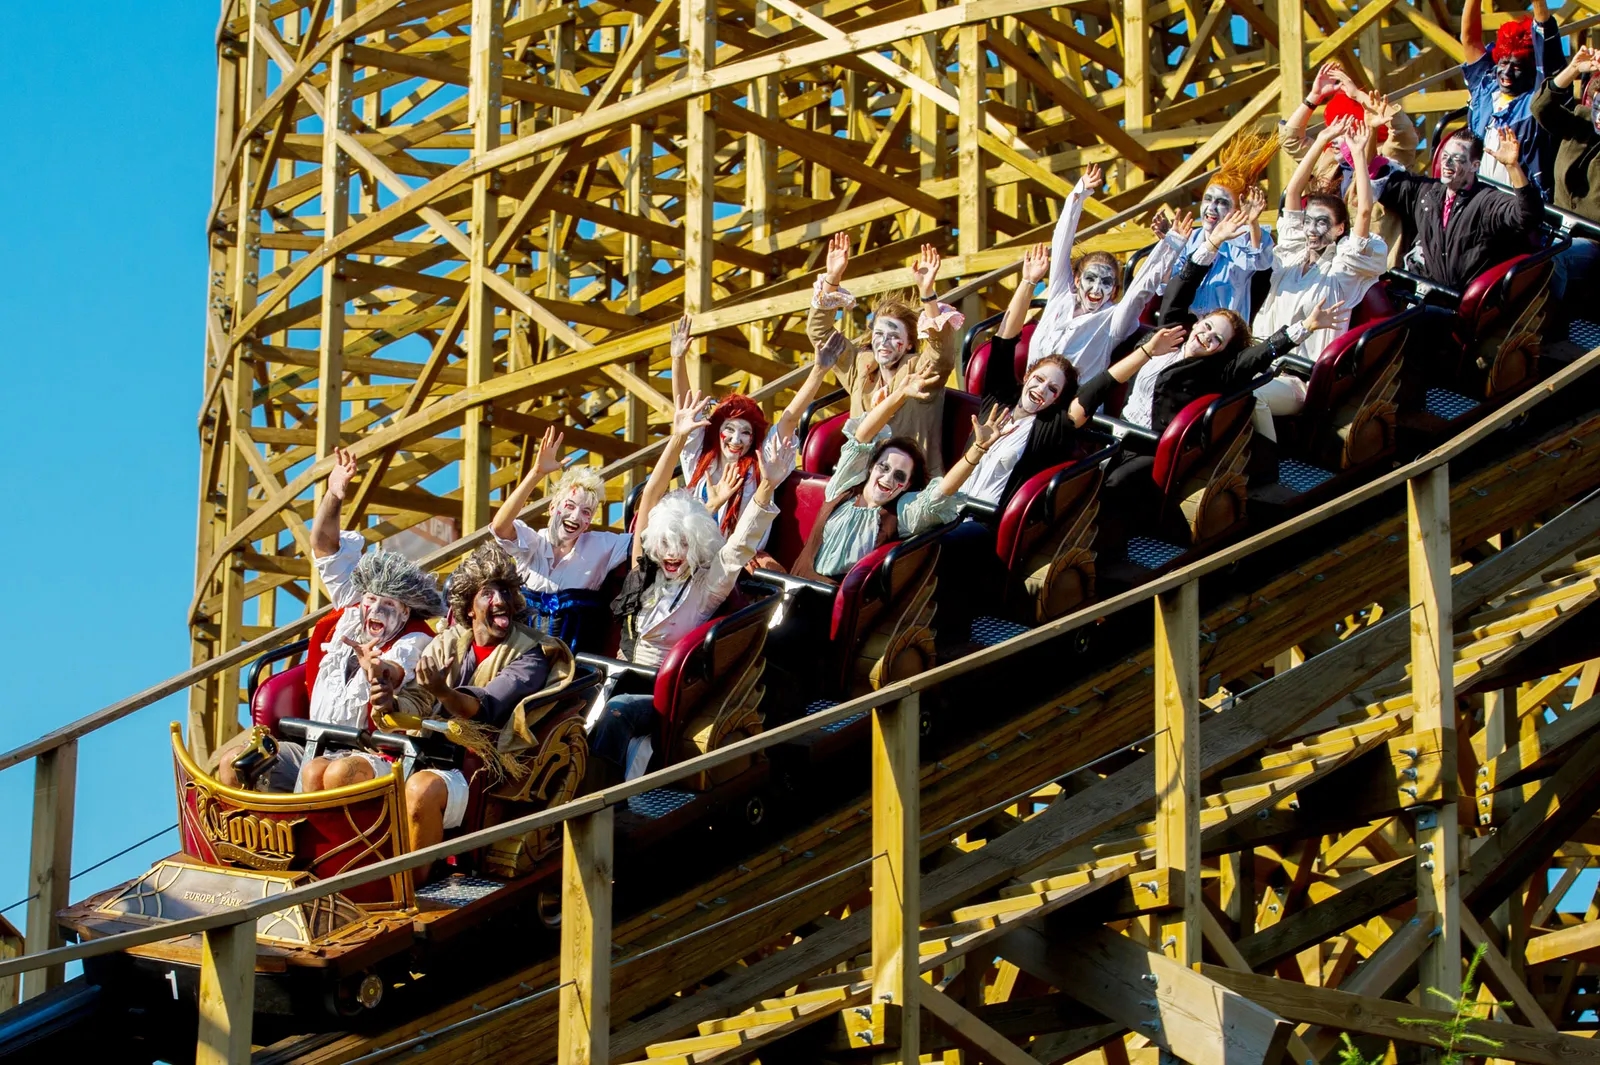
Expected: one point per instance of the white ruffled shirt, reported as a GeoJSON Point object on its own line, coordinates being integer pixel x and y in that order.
{"type": "Point", "coordinates": [595, 554]}
{"type": "Point", "coordinates": [989, 478]}
{"type": "Point", "coordinates": [341, 693]}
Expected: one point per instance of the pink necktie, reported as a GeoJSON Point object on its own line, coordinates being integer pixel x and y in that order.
{"type": "Point", "coordinates": [1449, 201]}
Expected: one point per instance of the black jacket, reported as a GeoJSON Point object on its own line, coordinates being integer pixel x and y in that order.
{"type": "Point", "coordinates": [1050, 438]}
{"type": "Point", "coordinates": [1487, 226]}
{"type": "Point", "coordinates": [1576, 177]}
{"type": "Point", "coordinates": [1186, 380]}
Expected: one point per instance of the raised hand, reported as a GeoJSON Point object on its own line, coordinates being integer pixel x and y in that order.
{"type": "Point", "coordinates": [776, 459]}
{"type": "Point", "coordinates": [920, 383]}
{"type": "Point", "coordinates": [992, 428]}
{"type": "Point", "coordinates": [344, 471]}
{"type": "Point", "coordinates": [830, 350]}
{"type": "Point", "coordinates": [1360, 141]}
{"type": "Point", "coordinates": [1327, 82]}
{"type": "Point", "coordinates": [1231, 225]}
{"type": "Point", "coordinates": [726, 488]}
{"type": "Point", "coordinates": [379, 670]}
{"type": "Point", "coordinates": [434, 677]}
{"type": "Point", "coordinates": [548, 459]}
{"type": "Point", "coordinates": [1508, 150]}
{"type": "Point", "coordinates": [1093, 178]}
{"type": "Point", "coordinates": [1160, 222]}
{"type": "Point", "coordinates": [1585, 60]}
{"type": "Point", "coordinates": [1166, 341]}
{"type": "Point", "coordinates": [1323, 316]}
{"type": "Point", "coordinates": [926, 269]}
{"type": "Point", "coordinates": [838, 257]}
{"type": "Point", "coordinates": [1036, 264]}
{"type": "Point", "coordinates": [1336, 129]}
{"type": "Point", "coordinates": [682, 332]}
{"type": "Point", "coordinates": [1255, 201]}
{"type": "Point", "coordinates": [690, 413]}
{"type": "Point", "coordinates": [1183, 225]}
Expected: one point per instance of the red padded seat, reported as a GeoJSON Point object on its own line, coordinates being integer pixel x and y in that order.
{"type": "Point", "coordinates": [279, 696]}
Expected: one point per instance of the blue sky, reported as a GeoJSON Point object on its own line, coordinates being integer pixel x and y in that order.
{"type": "Point", "coordinates": [102, 282]}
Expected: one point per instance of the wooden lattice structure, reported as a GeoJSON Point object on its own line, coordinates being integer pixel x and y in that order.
{"type": "Point", "coordinates": [520, 196]}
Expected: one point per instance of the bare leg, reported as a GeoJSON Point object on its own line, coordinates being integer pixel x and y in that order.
{"type": "Point", "coordinates": [426, 795]}
{"type": "Point", "coordinates": [339, 772]}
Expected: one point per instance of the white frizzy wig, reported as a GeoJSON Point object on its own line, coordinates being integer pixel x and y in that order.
{"type": "Point", "coordinates": [391, 574]}
{"type": "Point", "coordinates": [680, 521]}
{"type": "Point", "coordinates": [580, 479]}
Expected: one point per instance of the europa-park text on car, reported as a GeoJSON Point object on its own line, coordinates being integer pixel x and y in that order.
{"type": "Point", "coordinates": [1417, 364]}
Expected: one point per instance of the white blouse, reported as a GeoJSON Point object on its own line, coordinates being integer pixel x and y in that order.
{"type": "Point", "coordinates": [340, 694]}
{"type": "Point", "coordinates": [595, 554]}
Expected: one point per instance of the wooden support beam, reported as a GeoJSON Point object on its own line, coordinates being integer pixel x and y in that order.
{"type": "Point", "coordinates": [1395, 1020]}
{"type": "Point", "coordinates": [896, 889]}
{"type": "Point", "coordinates": [1502, 978]}
{"type": "Point", "coordinates": [970, 1032]}
{"type": "Point", "coordinates": [227, 995]}
{"type": "Point", "coordinates": [1177, 758]}
{"type": "Point", "coordinates": [972, 206]}
{"type": "Point", "coordinates": [1394, 959]}
{"type": "Point", "coordinates": [697, 26]}
{"type": "Point", "coordinates": [483, 112]}
{"type": "Point", "coordinates": [1433, 697]}
{"type": "Point", "coordinates": [1170, 1004]}
{"type": "Point", "coordinates": [1136, 47]}
{"type": "Point", "coordinates": [55, 790]}
{"type": "Point", "coordinates": [584, 1012]}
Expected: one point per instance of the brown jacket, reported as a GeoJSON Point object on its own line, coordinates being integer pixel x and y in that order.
{"type": "Point", "coordinates": [921, 420]}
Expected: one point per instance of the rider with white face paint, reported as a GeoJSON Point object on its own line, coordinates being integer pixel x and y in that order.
{"type": "Point", "coordinates": [724, 478]}
{"type": "Point", "coordinates": [880, 491]}
{"type": "Point", "coordinates": [1082, 320]}
{"type": "Point", "coordinates": [1227, 285]}
{"type": "Point", "coordinates": [562, 564]}
{"type": "Point", "coordinates": [1317, 260]}
{"type": "Point", "coordinates": [363, 653]}
{"type": "Point", "coordinates": [1044, 434]}
{"type": "Point", "coordinates": [1463, 226]}
{"type": "Point", "coordinates": [873, 365]}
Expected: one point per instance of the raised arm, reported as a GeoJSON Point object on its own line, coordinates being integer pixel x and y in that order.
{"type": "Point", "coordinates": [689, 415]}
{"type": "Point", "coordinates": [827, 355]}
{"type": "Point", "coordinates": [1294, 193]}
{"type": "Point", "coordinates": [1360, 141]}
{"type": "Point", "coordinates": [1155, 269]}
{"type": "Point", "coordinates": [325, 526]}
{"type": "Point", "coordinates": [1051, 334]}
{"type": "Point", "coordinates": [1292, 131]}
{"type": "Point", "coordinates": [681, 333]}
{"type": "Point", "coordinates": [1035, 267]}
{"type": "Point", "coordinates": [1508, 151]}
{"type": "Point", "coordinates": [546, 462]}
{"type": "Point", "coordinates": [1093, 392]}
{"type": "Point", "coordinates": [984, 436]}
{"type": "Point", "coordinates": [1546, 41]}
{"type": "Point", "coordinates": [916, 385]}
{"type": "Point", "coordinates": [1552, 103]}
{"type": "Point", "coordinates": [827, 298]}
{"type": "Point", "coordinates": [1472, 32]}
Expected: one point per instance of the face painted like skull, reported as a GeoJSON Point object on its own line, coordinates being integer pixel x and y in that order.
{"type": "Point", "coordinates": [382, 618]}
{"type": "Point", "coordinates": [1323, 230]}
{"type": "Point", "coordinates": [1456, 167]}
{"type": "Point", "coordinates": [1097, 281]}
{"type": "Point", "coordinates": [572, 515]}
{"type": "Point", "coordinates": [890, 342]}
{"type": "Point", "coordinates": [1041, 389]}
{"type": "Point", "coordinates": [1215, 205]}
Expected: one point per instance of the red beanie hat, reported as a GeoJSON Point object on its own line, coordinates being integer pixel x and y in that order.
{"type": "Point", "coordinates": [1340, 106]}
{"type": "Point", "coordinates": [1515, 37]}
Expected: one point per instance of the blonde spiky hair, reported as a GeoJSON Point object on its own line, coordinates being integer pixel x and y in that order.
{"type": "Point", "coordinates": [1241, 161]}
{"type": "Point", "coordinates": [582, 479]}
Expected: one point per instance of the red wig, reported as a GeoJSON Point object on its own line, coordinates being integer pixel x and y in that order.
{"type": "Point", "coordinates": [741, 407]}
{"type": "Point", "coordinates": [1515, 37]}
{"type": "Point", "coordinates": [1341, 106]}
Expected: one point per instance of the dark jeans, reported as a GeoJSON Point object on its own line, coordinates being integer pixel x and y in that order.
{"type": "Point", "coordinates": [624, 717]}
{"type": "Point", "coordinates": [1130, 493]}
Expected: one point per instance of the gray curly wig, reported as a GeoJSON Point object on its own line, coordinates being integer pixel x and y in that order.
{"type": "Point", "coordinates": [680, 521]}
{"type": "Point", "coordinates": [394, 576]}
{"type": "Point", "coordinates": [489, 564]}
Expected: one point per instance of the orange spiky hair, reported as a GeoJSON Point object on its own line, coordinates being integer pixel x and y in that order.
{"type": "Point", "coordinates": [1242, 160]}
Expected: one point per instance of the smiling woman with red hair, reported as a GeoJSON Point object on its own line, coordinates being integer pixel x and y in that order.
{"type": "Point", "coordinates": [724, 476]}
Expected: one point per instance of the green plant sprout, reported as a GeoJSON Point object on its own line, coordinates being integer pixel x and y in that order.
{"type": "Point", "coordinates": [1453, 1036]}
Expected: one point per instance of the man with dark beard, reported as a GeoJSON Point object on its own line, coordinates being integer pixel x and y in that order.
{"type": "Point", "coordinates": [1463, 226]}
{"type": "Point", "coordinates": [1500, 84]}
{"type": "Point", "coordinates": [477, 671]}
